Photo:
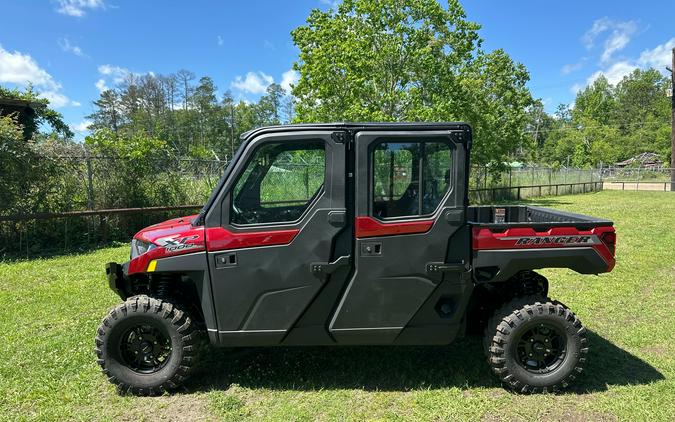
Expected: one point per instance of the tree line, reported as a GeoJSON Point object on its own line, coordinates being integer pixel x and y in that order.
{"type": "Point", "coordinates": [184, 114]}
{"type": "Point", "coordinates": [606, 123]}
{"type": "Point", "coordinates": [384, 60]}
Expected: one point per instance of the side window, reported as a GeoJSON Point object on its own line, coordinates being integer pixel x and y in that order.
{"type": "Point", "coordinates": [279, 183]}
{"type": "Point", "coordinates": [409, 178]}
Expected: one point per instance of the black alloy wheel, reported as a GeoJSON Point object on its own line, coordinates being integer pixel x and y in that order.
{"type": "Point", "coordinates": [145, 348]}
{"type": "Point", "coordinates": [541, 348]}
{"type": "Point", "coordinates": [536, 345]}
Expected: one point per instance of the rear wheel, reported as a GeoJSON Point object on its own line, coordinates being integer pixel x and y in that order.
{"type": "Point", "coordinates": [147, 346]}
{"type": "Point", "coordinates": [536, 345]}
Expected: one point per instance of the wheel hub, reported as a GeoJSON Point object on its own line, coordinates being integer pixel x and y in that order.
{"type": "Point", "coordinates": [541, 348]}
{"type": "Point", "coordinates": [145, 348]}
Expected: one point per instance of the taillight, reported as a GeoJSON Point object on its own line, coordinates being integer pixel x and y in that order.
{"type": "Point", "coordinates": [609, 239]}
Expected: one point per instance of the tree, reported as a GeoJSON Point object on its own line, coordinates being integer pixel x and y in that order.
{"type": "Point", "coordinates": [107, 112]}
{"type": "Point", "coordinates": [184, 78]}
{"type": "Point", "coordinates": [596, 104]}
{"type": "Point", "coordinates": [395, 60]}
{"type": "Point", "coordinates": [43, 114]}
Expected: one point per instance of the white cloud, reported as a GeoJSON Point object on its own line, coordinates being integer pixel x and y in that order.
{"type": "Point", "coordinates": [659, 57]}
{"type": "Point", "coordinates": [614, 73]}
{"type": "Point", "coordinates": [56, 99]}
{"type": "Point", "coordinates": [332, 3]}
{"type": "Point", "coordinates": [254, 82]}
{"type": "Point", "coordinates": [599, 26]}
{"type": "Point", "coordinates": [101, 86]}
{"type": "Point", "coordinates": [78, 8]}
{"type": "Point", "coordinates": [288, 78]}
{"type": "Point", "coordinates": [21, 69]}
{"type": "Point", "coordinates": [220, 41]}
{"type": "Point", "coordinates": [82, 127]}
{"type": "Point", "coordinates": [66, 46]}
{"type": "Point", "coordinates": [75, 103]}
{"type": "Point", "coordinates": [115, 72]}
{"type": "Point", "coordinates": [569, 68]}
{"type": "Point", "coordinates": [618, 39]}
{"type": "Point", "coordinates": [576, 88]}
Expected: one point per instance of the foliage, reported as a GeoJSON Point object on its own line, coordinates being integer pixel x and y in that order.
{"type": "Point", "coordinates": [409, 60]}
{"type": "Point", "coordinates": [611, 123]}
{"type": "Point", "coordinates": [186, 115]}
{"type": "Point", "coordinates": [26, 179]}
{"type": "Point", "coordinates": [43, 114]}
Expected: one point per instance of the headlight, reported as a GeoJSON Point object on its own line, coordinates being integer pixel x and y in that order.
{"type": "Point", "coordinates": [138, 247]}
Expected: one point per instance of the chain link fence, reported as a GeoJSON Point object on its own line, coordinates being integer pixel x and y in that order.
{"type": "Point", "coordinates": [640, 178]}
{"type": "Point", "coordinates": [108, 199]}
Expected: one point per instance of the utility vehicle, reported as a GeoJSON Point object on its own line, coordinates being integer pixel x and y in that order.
{"type": "Point", "coordinates": [351, 234]}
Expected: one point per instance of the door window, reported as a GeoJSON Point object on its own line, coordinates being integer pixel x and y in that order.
{"type": "Point", "coordinates": [279, 183]}
{"type": "Point", "coordinates": [410, 178]}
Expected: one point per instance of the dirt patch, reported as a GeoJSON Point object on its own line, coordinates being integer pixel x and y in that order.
{"type": "Point", "coordinates": [651, 186]}
{"type": "Point", "coordinates": [658, 351]}
{"type": "Point", "coordinates": [175, 408]}
{"type": "Point", "coordinates": [565, 414]}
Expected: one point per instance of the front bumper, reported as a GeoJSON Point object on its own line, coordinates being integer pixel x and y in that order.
{"type": "Point", "coordinates": [117, 277]}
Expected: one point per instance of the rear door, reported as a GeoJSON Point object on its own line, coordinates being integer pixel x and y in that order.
{"type": "Point", "coordinates": [409, 205]}
{"type": "Point", "coordinates": [280, 212]}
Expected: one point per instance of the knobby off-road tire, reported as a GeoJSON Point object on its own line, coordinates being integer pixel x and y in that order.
{"type": "Point", "coordinates": [147, 346]}
{"type": "Point", "coordinates": [536, 345]}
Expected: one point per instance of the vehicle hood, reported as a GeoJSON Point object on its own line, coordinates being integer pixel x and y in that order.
{"type": "Point", "coordinates": [175, 228]}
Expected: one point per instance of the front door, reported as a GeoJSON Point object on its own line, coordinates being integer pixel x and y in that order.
{"type": "Point", "coordinates": [281, 210]}
{"type": "Point", "coordinates": [410, 203]}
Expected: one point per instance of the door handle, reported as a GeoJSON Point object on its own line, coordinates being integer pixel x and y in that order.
{"type": "Point", "coordinates": [321, 269]}
{"type": "Point", "coordinates": [443, 267]}
{"type": "Point", "coordinates": [454, 217]}
{"type": "Point", "coordinates": [227, 259]}
{"type": "Point", "coordinates": [371, 248]}
{"type": "Point", "coordinates": [337, 218]}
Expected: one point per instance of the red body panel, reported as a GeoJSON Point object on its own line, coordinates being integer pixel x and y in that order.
{"type": "Point", "coordinates": [370, 227]}
{"type": "Point", "coordinates": [218, 238]}
{"type": "Point", "coordinates": [178, 236]}
{"type": "Point", "coordinates": [556, 237]}
{"type": "Point", "coordinates": [172, 237]}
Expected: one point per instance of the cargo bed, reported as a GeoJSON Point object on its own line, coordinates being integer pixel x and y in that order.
{"type": "Point", "coordinates": [509, 239]}
{"type": "Point", "coordinates": [494, 216]}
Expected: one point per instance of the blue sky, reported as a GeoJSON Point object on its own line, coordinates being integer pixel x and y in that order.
{"type": "Point", "coordinates": [70, 49]}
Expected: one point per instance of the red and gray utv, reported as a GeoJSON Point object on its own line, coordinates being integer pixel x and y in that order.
{"type": "Point", "coordinates": [351, 234]}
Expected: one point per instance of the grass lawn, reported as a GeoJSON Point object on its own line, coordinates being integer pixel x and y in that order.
{"type": "Point", "coordinates": [50, 308]}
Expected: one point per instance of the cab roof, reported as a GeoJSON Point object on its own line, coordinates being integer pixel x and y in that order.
{"type": "Point", "coordinates": [354, 126]}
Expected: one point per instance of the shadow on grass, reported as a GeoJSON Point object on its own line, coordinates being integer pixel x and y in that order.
{"type": "Point", "coordinates": [395, 368]}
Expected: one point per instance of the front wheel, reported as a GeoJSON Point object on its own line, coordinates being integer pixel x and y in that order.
{"type": "Point", "coordinates": [536, 345]}
{"type": "Point", "coordinates": [147, 346]}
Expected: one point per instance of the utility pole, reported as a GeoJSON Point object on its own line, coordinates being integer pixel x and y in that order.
{"type": "Point", "coordinates": [672, 124]}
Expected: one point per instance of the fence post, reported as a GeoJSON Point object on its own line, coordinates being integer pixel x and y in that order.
{"type": "Point", "coordinates": [90, 184]}
{"type": "Point", "coordinates": [519, 193]}
{"type": "Point", "coordinates": [306, 181]}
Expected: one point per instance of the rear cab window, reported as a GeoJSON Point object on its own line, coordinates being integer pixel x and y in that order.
{"type": "Point", "coordinates": [409, 178]}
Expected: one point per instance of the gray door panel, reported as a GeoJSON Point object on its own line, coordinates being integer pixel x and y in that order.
{"type": "Point", "coordinates": [269, 287]}
{"type": "Point", "coordinates": [390, 284]}
{"type": "Point", "coordinates": [259, 292]}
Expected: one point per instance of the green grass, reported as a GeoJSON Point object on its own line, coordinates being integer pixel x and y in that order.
{"type": "Point", "coordinates": [49, 311]}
